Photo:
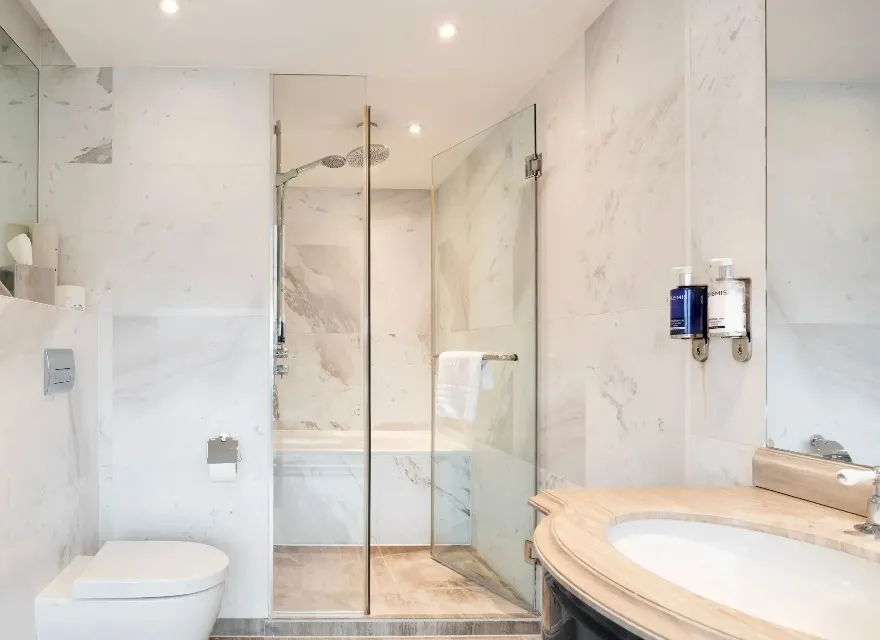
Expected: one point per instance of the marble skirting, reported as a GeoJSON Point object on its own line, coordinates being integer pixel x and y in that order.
{"type": "Point", "coordinates": [238, 628]}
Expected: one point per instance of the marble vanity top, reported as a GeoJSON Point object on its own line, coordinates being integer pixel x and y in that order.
{"type": "Point", "coordinates": [572, 543]}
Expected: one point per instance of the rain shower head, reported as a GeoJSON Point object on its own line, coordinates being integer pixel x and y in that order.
{"type": "Point", "coordinates": [331, 162]}
{"type": "Point", "coordinates": [378, 154]}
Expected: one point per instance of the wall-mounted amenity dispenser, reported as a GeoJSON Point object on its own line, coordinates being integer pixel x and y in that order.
{"type": "Point", "coordinates": [688, 313]}
{"type": "Point", "coordinates": [729, 308]}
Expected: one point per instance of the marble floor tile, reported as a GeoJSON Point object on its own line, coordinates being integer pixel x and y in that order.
{"type": "Point", "coordinates": [319, 579]}
{"type": "Point", "coordinates": [405, 582]}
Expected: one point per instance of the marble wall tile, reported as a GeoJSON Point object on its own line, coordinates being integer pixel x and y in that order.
{"type": "Point", "coordinates": [324, 389]}
{"type": "Point", "coordinates": [324, 276]}
{"type": "Point", "coordinates": [635, 121]}
{"type": "Point", "coordinates": [48, 455]}
{"type": "Point", "coordinates": [178, 382]}
{"type": "Point", "coordinates": [718, 463]}
{"type": "Point", "coordinates": [634, 400]}
{"type": "Point", "coordinates": [401, 235]}
{"type": "Point", "coordinates": [76, 113]}
{"type": "Point", "coordinates": [51, 51]}
{"type": "Point", "coordinates": [562, 130]}
{"type": "Point", "coordinates": [193, 117]}
{"type": "Point", "coordinates": [322, 289]}
{"type": "Point", "coordinates": [401, 382]}
{"type": "Point", "coordinates": [325, 217]}
{"type": "Point", "coordinates": [562, 397]}
{"type": "Point", "coordinates": [140, 229]}
{"type": "Point", "coordinates": [727, 194]}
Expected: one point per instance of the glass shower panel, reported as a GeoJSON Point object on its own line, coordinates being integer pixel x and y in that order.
{"type": "Point", "coordinates": [321, 470]}
{"type": "Point", "coordinates": [484, 297]}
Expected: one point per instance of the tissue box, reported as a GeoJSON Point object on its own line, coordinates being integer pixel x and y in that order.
{"type": "Point", "coordinates": [30, 283]}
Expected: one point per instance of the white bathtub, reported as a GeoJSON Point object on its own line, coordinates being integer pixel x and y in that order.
{"type": "Point", "coordinates": [319, 488]}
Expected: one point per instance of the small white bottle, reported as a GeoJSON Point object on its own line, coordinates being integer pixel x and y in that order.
{"type": "Point", "coordinates": [727, 303]}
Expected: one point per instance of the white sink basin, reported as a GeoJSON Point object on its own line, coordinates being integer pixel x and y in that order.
{"type": "Point", "coordinates": [820, 591]}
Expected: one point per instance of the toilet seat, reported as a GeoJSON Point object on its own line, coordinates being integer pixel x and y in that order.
{"type": "Point", "coordinates": [150, 569]}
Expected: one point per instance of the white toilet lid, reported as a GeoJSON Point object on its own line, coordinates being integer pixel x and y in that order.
{"type": "Point", "coordinates": [150, 569]}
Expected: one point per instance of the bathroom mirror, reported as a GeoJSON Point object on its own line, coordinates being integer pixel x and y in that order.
{"type": "Point", "coordinates": [19, 142]}
{"type": "Point", "coordinates": [823, 228]}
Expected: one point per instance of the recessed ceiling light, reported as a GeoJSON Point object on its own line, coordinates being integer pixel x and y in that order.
{"type": "Point", "coordinates": [169, 6]}
{"type": "Point", "coordinates": [446, 31]}
{"type": "Point", "coordinates": [415, 128]}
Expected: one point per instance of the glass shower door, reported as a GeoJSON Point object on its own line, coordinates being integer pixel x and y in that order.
{"type": "Point", "coordinates": [484, 299]}
{"type": "Point", "coordinates": [321, 552]}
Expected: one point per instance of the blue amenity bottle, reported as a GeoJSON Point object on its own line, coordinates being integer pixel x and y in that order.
{"type": "Point", "coordinates": [687, 307]}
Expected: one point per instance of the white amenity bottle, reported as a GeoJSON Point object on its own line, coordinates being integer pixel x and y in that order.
{"type": "Point", "coordinates": [727, 302]}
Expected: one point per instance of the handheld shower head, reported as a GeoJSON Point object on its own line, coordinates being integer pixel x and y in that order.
{"type": "Point", "coordinates": [331, 162]}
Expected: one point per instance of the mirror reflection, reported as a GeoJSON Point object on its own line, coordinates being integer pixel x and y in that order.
{"type": "Point", "coordinates": [823, 228]}
{"type": "Point", "coordinates": [19, 147]}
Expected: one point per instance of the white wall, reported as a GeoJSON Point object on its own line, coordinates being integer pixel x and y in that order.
{"type": "Point", "coordinates": [823, 156]}
{"type": "Point", "coordinates": [48, 455]}
{"type": "Point", "coordinates": [21, 27]}
{"type": "Point", "coordinates": [160, 181]}
{"type": "Point", "coordinates": [652, 129]}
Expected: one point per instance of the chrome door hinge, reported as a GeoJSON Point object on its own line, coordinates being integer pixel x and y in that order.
{"type": "Point", "coordinates": [534, 165]}
{"type": "Point", "coordinates": [529, 554]}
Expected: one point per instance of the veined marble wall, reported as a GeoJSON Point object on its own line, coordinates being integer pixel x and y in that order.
{"type": "Point", "coordinates": [727, 190]}
{"type": "Point", "coordinates": [323, 280]}
{"type": "Point", "coordinates": [485, 255]}
{"type": "Point", "coordinates": [652, 129]}
{"type": "Point", "coordinates": [612, 130]}
{"type": "Point", "coordinates": [48, 456]}
{"type": "Point", "coordinates": [824, 326]}
{"type": "Point", "coordinates": [160, 183]}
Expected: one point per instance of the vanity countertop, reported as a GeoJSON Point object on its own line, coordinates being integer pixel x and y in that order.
{"type": "Point", "coordinates": [572, 544]}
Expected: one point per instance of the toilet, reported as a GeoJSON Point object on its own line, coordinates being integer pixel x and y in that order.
{"type": "Point", "coordinates": [143, 590]}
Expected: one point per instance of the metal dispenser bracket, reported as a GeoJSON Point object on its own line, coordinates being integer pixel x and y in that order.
{"type": "Point", "coordinates": [741, 348]}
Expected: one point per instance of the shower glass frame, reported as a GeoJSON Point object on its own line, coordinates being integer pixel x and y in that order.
{"type": "Point", "coordinates": [365, 344]}
{"type": "Point", "coordinates": [524, 125]}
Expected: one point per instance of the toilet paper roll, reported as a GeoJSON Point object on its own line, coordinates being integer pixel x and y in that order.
{"type": "Point", "coordinates": [21, 249]}
{"type": "Point", "coordinates": [223, 472]}
{"type": "Point", "coordinates": [7, 233]}
{"type": "Point", "coordinates": [70, 297]}
{"type": "Point", "coordinates": [44, 237]}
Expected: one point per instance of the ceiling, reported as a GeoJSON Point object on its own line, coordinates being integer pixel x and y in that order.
{"type": "Point", "coordinates": [453, 88]}
{"type": "Point", "coordinates": [823, 40]}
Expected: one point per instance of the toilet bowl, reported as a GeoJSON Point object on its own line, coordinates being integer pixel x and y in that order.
{"type": "Point", "coordinates": [137, 591]}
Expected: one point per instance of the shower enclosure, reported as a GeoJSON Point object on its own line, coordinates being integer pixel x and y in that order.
{"type": "Point", "coordinates": [377, 510]}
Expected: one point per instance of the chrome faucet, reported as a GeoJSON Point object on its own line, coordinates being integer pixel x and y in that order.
{"type": "Point", "coordinates": [850, 477]}
{"type": "Point", "coordinates": [829, 449]}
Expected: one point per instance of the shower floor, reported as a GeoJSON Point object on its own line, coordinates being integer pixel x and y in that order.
{"type": "Point", "coordinates": [405, 582]}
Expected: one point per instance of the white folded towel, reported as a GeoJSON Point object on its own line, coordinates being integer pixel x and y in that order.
{"type": "Point", "coordinates": [460, 376]}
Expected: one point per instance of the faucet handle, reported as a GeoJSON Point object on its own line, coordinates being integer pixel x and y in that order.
{"type": "Point", "coordinates": [850, 477]}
